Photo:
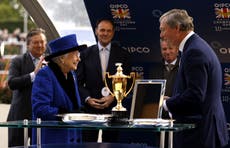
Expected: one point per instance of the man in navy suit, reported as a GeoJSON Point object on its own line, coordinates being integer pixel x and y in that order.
{"type": "Point", "coordinates": [197, 95]}
{"type": "Point", "coordinates": [95, 61]}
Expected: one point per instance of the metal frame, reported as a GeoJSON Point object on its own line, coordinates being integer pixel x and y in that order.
{"type": "Point", "coordinates": [40, 18]}
{"type": "Point", "coordinates": [160, 107]}
{"type": "Point", "coordinates": [162, 82]}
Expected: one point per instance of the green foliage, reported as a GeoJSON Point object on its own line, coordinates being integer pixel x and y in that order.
{"type": "Point", "coordinates": [11, 25]}
{"type": "Point", "coordinates": [8, 13]}
{"type": "Point", "coordinates": [5, 1]}
{"type": "Point", "coordinates": [11, 15]}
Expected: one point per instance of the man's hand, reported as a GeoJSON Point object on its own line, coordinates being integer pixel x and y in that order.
{"type": "Point", "coordinates": [39, 65]}
{"type": "Point", "coordinates": [101, 103]}
{"type": "Point", "coordinates": [107, 101]}
{"type": "Point", "coordinates": [95, 103]}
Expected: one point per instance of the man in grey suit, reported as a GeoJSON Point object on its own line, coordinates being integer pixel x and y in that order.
{"type": "Point", "coordinates": [197, 94]}
{"type": "Point", "coordinates": [96, 60]}
{"type": "Point", "coordinates": [22, 72]}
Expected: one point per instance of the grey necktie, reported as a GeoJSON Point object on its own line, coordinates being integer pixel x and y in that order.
{"type": "Point", "coordinates": [169, 67]}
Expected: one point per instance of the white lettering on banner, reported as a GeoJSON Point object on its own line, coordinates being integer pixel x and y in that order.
{"type": "Point", "coordinates": [218, 46]}
{"type": "Point", "coordinates": [123, 6]}
{"type": "Point", "coordinates": [227, 5]}
{"type": "Point", "coordinates": [137, 69]}
{"type": "Point", "coordinates": [218, 28]}
{"type": "Point", "coordinates": [137, 49]}
{"type": "Point", "coordinates": [227, 70]}
{"type": "Point", "coordinates": [224, 50]}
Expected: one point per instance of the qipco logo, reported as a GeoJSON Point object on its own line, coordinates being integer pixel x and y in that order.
{"type": "Point", "coordinates": [219, 47]}
{"type": "Point", "coordinates": [139, 71]}
{"type": "Point", "coordinates": [227, 70]}
{"type": "Point", "coordinates": [116, 6]}
{"type": "Point", "coordinates": [141, 50]}
{"type": "Point", "coordinates": [137, 68]}
{"type": "Point", "coordinates": [224, 50]}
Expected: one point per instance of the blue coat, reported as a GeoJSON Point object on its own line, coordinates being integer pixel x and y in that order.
{"type": "Point", "coordinates": [48, 97]}
{"type": "Point", "coordinates": [197, 97]}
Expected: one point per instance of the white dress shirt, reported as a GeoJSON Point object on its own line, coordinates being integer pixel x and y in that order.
{"type": "Point", "coordinates": [104, 57]}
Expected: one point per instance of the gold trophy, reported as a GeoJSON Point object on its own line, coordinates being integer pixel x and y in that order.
{"type": "Point", "coordinates": [119, 83]}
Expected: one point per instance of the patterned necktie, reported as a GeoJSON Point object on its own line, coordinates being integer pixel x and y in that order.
{"type": "Point", "coordinates": [169, 67]}
{"type": "Point", "coordinates": [35, 61]}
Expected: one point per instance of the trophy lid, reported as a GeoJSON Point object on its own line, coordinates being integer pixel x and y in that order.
{"type": "Point", "coordinates": [119, 72]}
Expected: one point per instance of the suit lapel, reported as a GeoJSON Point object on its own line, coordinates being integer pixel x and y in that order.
{"type": "Point", "coordinates": [29, 62]}
{"type": "Point", "coordinates": [96, 59]}
{"type": "Point", "coordinates": [111, 63]}
{"type": "Point", "coordinates": [186, 46]}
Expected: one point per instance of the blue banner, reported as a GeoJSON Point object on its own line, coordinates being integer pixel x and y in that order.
{"type": "Point", "coordinates": [137, 29]}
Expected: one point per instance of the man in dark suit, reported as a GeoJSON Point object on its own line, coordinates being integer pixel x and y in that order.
{"type": "Point", "coordinates": [95, 61]}
{"type": "Point", "coordinates": [168, 68]}
{"type": "Point", "coordinates": [197, 95]}
{"type": "Point", "coordinates": [162, 70]}
{"type": "Point", "coordinates": [22, 72]}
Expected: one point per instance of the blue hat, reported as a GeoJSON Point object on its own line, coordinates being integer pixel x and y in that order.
{"type": "Point", "coordinates": [63, 45]}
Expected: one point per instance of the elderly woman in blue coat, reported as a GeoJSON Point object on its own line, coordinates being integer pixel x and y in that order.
{"type": "Point", "coordinates": [55, 89]}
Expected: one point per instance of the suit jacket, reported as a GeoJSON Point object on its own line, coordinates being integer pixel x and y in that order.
{"type": "Point", "coordinates": [160, 72]}
{"type": "Point", "coordinates": [48, 98]}
{"type": "Point", "coordinates": [197, 97]}
{"type": "Point", "coordinates": [19, 82]}
{"type": "Point", "coordinates": [89, 73]}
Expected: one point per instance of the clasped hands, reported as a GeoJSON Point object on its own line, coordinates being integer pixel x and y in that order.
{"type": "Point", "coordinates": [101, 103]}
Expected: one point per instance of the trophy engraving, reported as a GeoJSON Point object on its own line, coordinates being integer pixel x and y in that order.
{"type": "Point", "coordinates": [119, 83]}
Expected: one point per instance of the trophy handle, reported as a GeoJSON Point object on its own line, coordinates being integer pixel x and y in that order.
{"type": "Point", "coordinates": [132, 75]}
{"type": "Point", "coordinates": [107, 74]}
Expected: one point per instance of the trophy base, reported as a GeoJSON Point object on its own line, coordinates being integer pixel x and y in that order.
{"type": "Point", "coordinates": [118, 118]}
